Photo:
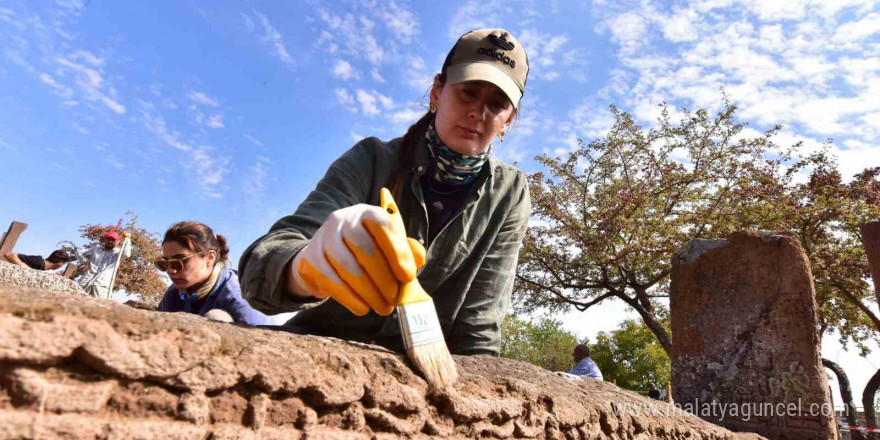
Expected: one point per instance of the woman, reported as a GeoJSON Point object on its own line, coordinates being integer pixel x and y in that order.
{"type": "Point", "coordinates": [196, 260]}
{"type": "Point", "coordinates": [466, 207]}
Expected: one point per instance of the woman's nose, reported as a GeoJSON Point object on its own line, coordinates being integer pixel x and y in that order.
{"type": "Point", "coordinates": [479, 109]}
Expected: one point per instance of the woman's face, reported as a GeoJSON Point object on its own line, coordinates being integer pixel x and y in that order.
{"type": "Point", "coordinates": [470, 114]}
{"type": "Point", "coordinates": [196, 268]}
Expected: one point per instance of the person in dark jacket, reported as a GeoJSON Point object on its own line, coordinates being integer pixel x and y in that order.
{"type": "Point", "coordinates": [56, 260]}
{"type": "Point", "coordinates": [196, 260]}
{"type": "Point", "coordinates": [338, 259]}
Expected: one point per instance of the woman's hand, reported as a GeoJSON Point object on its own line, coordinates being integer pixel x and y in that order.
{"type": "Point", "coordinates": [359, 257]}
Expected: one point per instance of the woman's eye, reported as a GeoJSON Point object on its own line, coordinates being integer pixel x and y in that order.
{"type": "Point", "coordinates": [498, 105]}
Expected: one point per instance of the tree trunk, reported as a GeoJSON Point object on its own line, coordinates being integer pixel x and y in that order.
{"type": "Point", "coordinates": [652, 323]}
{"type": "Point", "coordinates": [868, 402]}
{"type": "Point", "coordinates": [871, 242]}
{"type": "Point", "coordinates": [846, 394]}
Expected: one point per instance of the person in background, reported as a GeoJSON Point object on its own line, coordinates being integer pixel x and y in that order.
{"type": "Point", "coordinates": [337, 260]}
{"type": "Point", "coordinates": [653, 391]}
{"type": "Point", "coordinates": [55, 261]}
{"type": "Point", "coordinates": [99, 264]}
{"type": "Point", "coordinates": [197, 261]}
{"type": "Point", "coordinates": [585, 366]}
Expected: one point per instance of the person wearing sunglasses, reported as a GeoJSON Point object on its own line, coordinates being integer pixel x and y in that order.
{"type": "Point", "coordinates": [197, 261]}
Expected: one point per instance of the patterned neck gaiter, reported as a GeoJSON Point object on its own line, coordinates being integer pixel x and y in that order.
{"type": "Point", "coordinates": [450, 167]}
{"type": "Point", "coordinates": [203, 291]}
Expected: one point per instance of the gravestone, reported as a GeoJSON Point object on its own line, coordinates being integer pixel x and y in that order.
{"type": "Point", "coordinates": [69, 270]}
{"type": "Point", "coordinates": [745, 345]}
{"type": "Point", "coordinates": [871, 242]}
{"type": "Point", "coordinates": [11, 236]}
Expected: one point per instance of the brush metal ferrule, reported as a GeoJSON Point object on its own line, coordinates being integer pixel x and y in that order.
{"type": "Point", "coordinates": [419, 324]}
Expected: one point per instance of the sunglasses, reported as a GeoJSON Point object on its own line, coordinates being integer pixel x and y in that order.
{"type": "Point", "coordinates": [175, 264]}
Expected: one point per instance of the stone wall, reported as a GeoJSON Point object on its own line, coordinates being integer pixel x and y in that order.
{"type": "Point", "coordinates": [26, 277]}
{"type": "Point", "coordinates": [76, 367]}
{"type": "Point", "coordinates": [744, 335]}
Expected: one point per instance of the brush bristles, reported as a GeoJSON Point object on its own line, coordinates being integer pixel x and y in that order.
{"type": "Point", "coordinates": [435, 362]}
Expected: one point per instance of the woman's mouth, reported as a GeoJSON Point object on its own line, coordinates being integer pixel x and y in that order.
{"type": "Point", "coordinates": [468, 132]}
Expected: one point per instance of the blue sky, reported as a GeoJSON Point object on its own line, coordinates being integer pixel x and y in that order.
{"type": "Point", "coordinates": [229, 112]}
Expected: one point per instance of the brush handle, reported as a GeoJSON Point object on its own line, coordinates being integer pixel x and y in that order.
{"type": "Point", "coordinates": [412, 292]}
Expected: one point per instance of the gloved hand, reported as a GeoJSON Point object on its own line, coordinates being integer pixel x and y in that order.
{"type": "Point", "coordinates": [359, 257]}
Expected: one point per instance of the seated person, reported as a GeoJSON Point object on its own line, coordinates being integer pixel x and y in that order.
{"type": "Point", "coordinates": [196, 260]}
{"type": "Point", "coordinates": [56, 260]}
{"type": "Point", "coordinates": [585, 365]}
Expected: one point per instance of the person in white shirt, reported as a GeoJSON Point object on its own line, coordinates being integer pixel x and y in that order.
{"type": "Point", "coordinates": [100, 265]}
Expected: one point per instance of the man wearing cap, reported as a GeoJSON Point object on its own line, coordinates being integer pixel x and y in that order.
{"type": "Point", "coordinates": [464, 211]}
{"type": "Point", "coordinates": [100, 263]}
{"type": "Point", "coordinates": [56, 260]}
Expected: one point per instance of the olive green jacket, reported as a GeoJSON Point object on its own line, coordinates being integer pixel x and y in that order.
{"type": "Point", "coordinates": [470, 264]}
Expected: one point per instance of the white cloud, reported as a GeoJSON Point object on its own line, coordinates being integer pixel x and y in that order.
{"type": "Point", "coordinates": [60, 90]}
{"type": "Point", "coordinates": [377, 76]}
{"type": "Point", "coordinates": [209, 171]}
{"type": "Point", "coordinates": [344, 70]}
{"type": "Point", "coordinates": [478, 14]}
{"type": "Point", "coordinates": [402, 23]}
{"type": "Point", "coordinates": [544, 49]}
{"type": "Point", "coordinates": [798, 64]}
{"type": "Point", "coordinates": [253, 140]}
{"type": "Point", "coordinates": [681, 26]}
{"type": "Point", "coordinates": [343, 27]}
{"type": "Point", "coordinates": [215, 121]}
{"type": "Point", "coordinates": [90, 81]}
{"type": "Point", "coordinates": [859, 30]}
{"type": "Point", "coordinates": [202, 98]}
{"type": "Point", "coordinates": [417, 74]}
{"type": "Point", "coordinates": [248, 22]}
{"type": "Point", "coordinates": [80, 128]}
{"type": "Point", "coordinates": [406, 117]}
{"type": "Point", "coordinates": [356, 137]}
{"type": "Point", "coordinates": [370, 102]}
{"type": "Point", "coordinates": [628, 29]}
{"type": "Point", "coordinates": [114, 163]}
{"type": "Point", "coordinates": [345, 99]}
{"type": "Point", "coordinates": [156, 125]}
{"type": "Point", "coordinates": [274, 37]}
{"type": "Point", "coordinates": [256, 184]}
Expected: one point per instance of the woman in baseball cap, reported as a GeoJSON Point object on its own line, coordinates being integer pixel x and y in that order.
{"type": "Point", "coordinates": [468, 209]}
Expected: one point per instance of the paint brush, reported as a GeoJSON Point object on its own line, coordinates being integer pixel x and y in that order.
{"type": "Point", "coordinates": [419, 325]}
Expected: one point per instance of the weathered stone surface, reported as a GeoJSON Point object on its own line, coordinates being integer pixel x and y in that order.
{"type": "Point", "coordinates": [871, 242]}
{"type": "Point", "coordinates": [153, 375]}
{"type": "Point", "coordinates": [69, 270]}
{"type": "Point", "coordinates": [744, 333]}
{"type": "Point", "coordinates": [27, 277]}
{"type": "Point", "coordinates": [7, 243]}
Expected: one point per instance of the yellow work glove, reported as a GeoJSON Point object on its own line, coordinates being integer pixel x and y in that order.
{"type": "Point", "coordinates": [359, 257]}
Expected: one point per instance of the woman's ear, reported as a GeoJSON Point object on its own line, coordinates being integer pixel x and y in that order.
{"type": "Point", "coordinates": [434, 96]}
{"type": "Point", "coordinates": [211, 258]}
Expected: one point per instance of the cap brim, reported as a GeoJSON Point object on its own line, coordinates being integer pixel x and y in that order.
{"type": "Point", "coordinates": [457, 73]}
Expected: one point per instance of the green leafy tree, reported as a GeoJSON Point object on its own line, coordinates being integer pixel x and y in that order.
{"type": "Point", "coordinates": [543, 343]}
{"type": "Point", "coordinates": [631, 357]}
{"type": "Point", "coordinates": [136, 274]}
{"type": "Point", "coordinates": [612, 213]}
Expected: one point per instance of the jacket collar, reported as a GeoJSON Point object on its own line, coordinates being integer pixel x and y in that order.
{"type": "Point", "coordinates": [422, 163]}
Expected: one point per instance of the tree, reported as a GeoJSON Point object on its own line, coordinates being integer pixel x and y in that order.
{"type": "Point", "coordinates": [136, 274]}
{"type": "Point", "coordinates": [612, 213]}
{"type": "Point", "coordinates": [544, 343]}
{"type": "Point", "coordinates": [615, 210]}
{"type": "Point", "coordinates": [631, 357]}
